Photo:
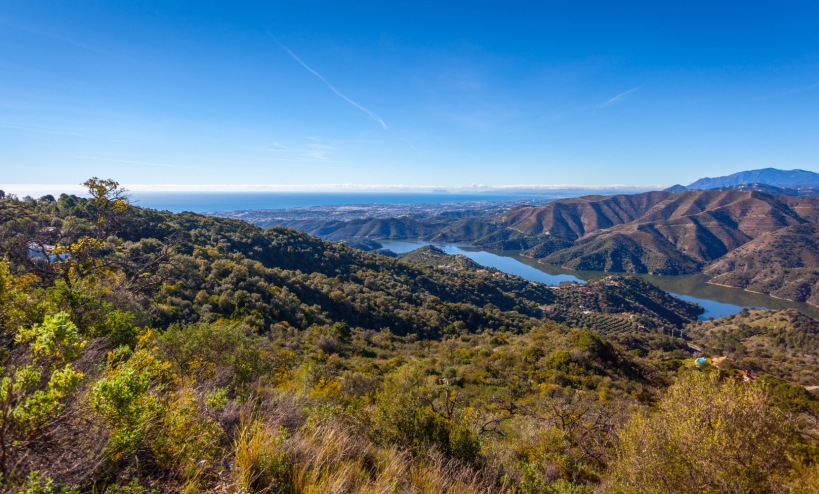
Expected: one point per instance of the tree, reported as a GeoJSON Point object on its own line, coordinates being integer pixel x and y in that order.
{"type": "Point", "coordinates": [110, 203]}
{"type": "Point", "coordinates": [705, 436]}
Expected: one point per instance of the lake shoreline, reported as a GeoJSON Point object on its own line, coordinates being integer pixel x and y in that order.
{"type": "Point", "coordinates": [718, 301]}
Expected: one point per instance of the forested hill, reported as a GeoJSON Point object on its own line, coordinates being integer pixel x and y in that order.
{"type": "Point", "coordinates": [183, 268]}
{"type": "Point", "coordinates": [146, 351]}
{"type": "Point", "coordinates": [433, 256]}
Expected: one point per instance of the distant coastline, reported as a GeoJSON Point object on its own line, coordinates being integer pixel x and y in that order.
{"type": "Point", "coordinates": [202, 202]}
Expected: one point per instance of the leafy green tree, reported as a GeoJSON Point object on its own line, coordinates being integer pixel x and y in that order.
{"type": "Point", "coordinates": [109, 203]}
{"type": "Point", "coordinates": [16, 302]}
{"type": "Point", "coordinates": [150, 411]}
{"type": "Point", "coordinates": [341, 330]}
{"type": "Point", "coordinates": [410, 414]}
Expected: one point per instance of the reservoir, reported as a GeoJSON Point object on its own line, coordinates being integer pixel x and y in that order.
{"type": "Point", "coordinates": [718, 301]}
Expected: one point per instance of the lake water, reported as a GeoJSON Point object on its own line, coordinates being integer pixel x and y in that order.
{"type": "Point", "coordinates": [717, 301]}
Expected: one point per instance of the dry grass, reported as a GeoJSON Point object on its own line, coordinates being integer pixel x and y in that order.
{"type": "Point", "coordinates": [333, 462]}
{"type": "Point", "coordinates": [260, 463]}
{"type": "Point", "coordinates": [329, 460]}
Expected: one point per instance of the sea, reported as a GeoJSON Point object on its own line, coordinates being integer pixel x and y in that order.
{"type": "Point", "coordinates": [199, 202]}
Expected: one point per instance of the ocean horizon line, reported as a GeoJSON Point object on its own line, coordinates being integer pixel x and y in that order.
{"type": "Point", "coordinates": [32, 189]}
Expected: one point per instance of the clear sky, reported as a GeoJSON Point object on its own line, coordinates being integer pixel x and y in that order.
{"type": "Point", "coordinates": [417, 93]}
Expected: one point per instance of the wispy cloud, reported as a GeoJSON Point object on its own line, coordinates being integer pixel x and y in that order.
{"type": "Point", "coordinates": [38, 129]}
{"type": "Point", "coordinates": [50, 34]}
{"type": "Point", "coordinates": [131, 162]}
{"type": "Point", "coordinates": [334, 89]}
{"type": "Point", "coordinates": [615, 99]}
{"type": "Point", "coordinates": [313, 152]}
{"type": "Point", "coordinates": [802, 89]}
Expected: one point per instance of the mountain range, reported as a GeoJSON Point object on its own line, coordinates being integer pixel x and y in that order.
{"type": "Point", "coordinates": [769, 180]}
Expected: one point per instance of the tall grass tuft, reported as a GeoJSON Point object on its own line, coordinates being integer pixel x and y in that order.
{"type": "Point", "coordinates": [260, 462]}
{"type": "Point", "coordinates": [330, 460]}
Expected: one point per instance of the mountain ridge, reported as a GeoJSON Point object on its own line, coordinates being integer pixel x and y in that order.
{"type": "Point", "coordinates": [768, 176]}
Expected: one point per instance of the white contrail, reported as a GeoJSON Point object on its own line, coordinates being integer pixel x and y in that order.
{"type": "Point", "coordinates": [333, 88]}
{"type": "Point", "coordinates": [617, 98]}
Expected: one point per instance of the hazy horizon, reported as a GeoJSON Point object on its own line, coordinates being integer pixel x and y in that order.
{"type": "Point", "coordinates": [488, 190]}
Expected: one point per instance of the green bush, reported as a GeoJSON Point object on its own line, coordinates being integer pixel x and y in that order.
{"type": "Point", "coordinates": [340, 330]}
{"type": "Point", "coordinates": [706, 436]}
{"type": "Point", "coordinates": [401, 418]}
{"type": "Point", "coordinates": [120, 328]}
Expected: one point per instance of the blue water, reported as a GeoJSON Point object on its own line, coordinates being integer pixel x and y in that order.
{"type": "Point", "coordinates": [712, 307]}
{"type": "Point", "coordinates": [502, 263]}
{"type": "Point", "coordinates": [198, 202]}
{"type": "Point", "coordinates": [507, 264]}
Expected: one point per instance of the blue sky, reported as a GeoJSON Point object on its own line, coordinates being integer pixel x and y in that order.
{"type": "Point", "coordinates": [415, 93]}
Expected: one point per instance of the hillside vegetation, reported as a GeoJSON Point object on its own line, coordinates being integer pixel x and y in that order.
{"type": "Point", "coordinates": [783, 343]}
{"type": "Point", "coordinates": [433, 256]}
{"type": "Point", "coordinates": [147, 351]}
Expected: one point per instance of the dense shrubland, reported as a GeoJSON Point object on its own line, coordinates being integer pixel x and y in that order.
{"type": "Point", "coordinates": [782, 343]}
{"type": "Point", "coordinates": [148, 351]}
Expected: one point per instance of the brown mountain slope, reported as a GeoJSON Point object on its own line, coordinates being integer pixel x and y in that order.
{"type": "Point", "coordinates": [573, 218]}
{"type": "Point", "coordinates": [639, 252]}
{"type": "Point", "coordinates": [783, 263]}
{"type": "Point", "coordinates": [748, 211]}
{"type": "Point", "coordinates": [790, 247]}
{"type": "Point", "coordinates": [680, 233]}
